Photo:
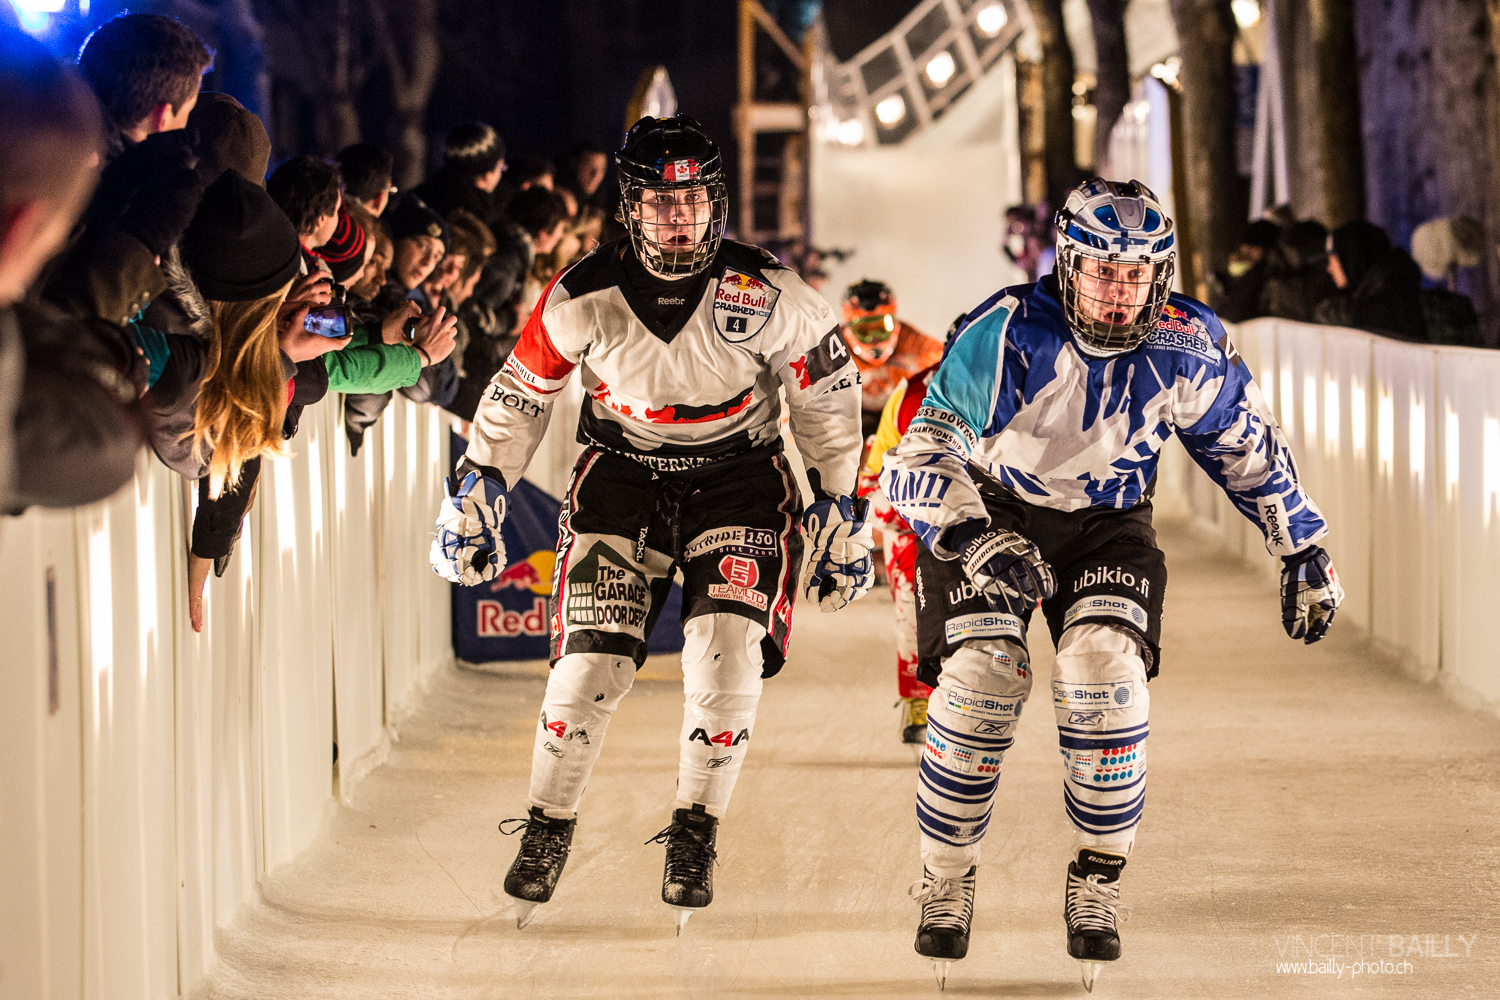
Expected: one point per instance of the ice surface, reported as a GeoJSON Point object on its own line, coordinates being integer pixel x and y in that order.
{"type": "Point", "coordinates": [1301, 799]}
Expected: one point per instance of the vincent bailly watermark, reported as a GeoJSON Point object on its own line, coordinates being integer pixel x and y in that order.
{"type": "Point", "coordinates": [1349, 956]}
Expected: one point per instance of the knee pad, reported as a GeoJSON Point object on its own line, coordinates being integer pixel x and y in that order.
{"type": "Point", "coordinates": [583, 691]}
{"type": "Point", "coordinates": [971, 719]}
{"type": "Point", "coordinates": [1103, 706]}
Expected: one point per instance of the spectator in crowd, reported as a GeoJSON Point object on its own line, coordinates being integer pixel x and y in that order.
{"type": "Point", "coordinates": [1297, 273]}
{"type": "Point", "coordinates": [367, 284]}
{"type": "Point", "coordinates": [229, 136]}
{"type": "Point", "coordinates": [473, 163]}
{"type": "Point", "coordinates": [544, 220]}
{"type": "Point", "coordinates": [347, 251]}
{"type": "Point", "coordinates": [1441, 247]}
{"type": "Point", "coordinates": [1023, 238]}
{"type": "Point", "coordinates": [70, 420]}
{"type": "Point", "coordinates": [146, 71]}
{"type": "Point", "coordinates": [309, 192]}
{"type": "Point", "coordinates": [1379, 285]}
{"type": "Point", "coordinates": [522, 172]}
{"type": "Point", "coordinates": [367, 172]}
{"type": "Point", "coordinates": [1235, 293]}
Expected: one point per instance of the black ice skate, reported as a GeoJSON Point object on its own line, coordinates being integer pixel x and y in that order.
{"type": "Point", "coordinates": [947, 910]}
{"type": "Point", "coordinates": [687, 884]}
{"type": "Point", "coordinates": [913, 720]}
{"type": "Point", "coordinates": [539, 863]}
{"type": "Point", "coordinates": [1090, 902]}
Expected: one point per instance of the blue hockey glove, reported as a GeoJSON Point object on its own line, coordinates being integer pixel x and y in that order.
{"type": "Point", "coordinates": [1310, 594]}
{"type": "Point", "coordinates": [468, 548]}
{"type": "Point", "coordinates": [839, 538]}
{"type": "Point", "coordinates": [1006, 568]}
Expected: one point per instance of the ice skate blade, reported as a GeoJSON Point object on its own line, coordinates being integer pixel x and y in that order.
{"type": "Point", "coordinates": [940, 967]}
{"type": "Point", "coordinates": [680, 916]}
{"type": "Point", "coordinates": [1090, 972]}
{"type": "Point", "coordinates": [524, 910]}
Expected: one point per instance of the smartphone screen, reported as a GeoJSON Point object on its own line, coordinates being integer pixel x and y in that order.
{"type": "Point", "coordinates": [330, 321]}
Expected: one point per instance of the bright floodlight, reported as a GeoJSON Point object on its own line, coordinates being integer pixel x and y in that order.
{"type": "Point", "coordinates": [991, 19]}
{"type": "Point", "coordinates": [940, 68]}
{"type": "Point", "coordinates": [1246, 12]}
{"type": "Point", "coordinates": [39, 6]}
{"type": "Point", "coordinates": [891, 110]}
{"type": "Point", "coordinates": [1167, 70]}
{"type": "Point", "coordinates": [851, 132]}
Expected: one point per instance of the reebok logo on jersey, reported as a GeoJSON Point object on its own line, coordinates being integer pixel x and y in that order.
{"type": "Point", "coordinates": [1273, 515]}
{"type": "Point", "coordinates": [987, 728]}
{"type": "Point", "coordinates": [669, 300]}
{"type": "Point", "coordinates": [719, 761]}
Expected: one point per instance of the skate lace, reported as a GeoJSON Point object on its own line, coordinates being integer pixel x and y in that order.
{"type": "Point", "coordinates": [689, 854]}
{"type": "Point", "coordinates": [1093, 905]}
{"type": "Point", "coordinates": [945, 902]}
{"type": "Point", "coordinates": [541, 846]}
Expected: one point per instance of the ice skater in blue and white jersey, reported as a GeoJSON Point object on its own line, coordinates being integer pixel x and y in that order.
{"type": "Point", "coordinates": [1027, 474]}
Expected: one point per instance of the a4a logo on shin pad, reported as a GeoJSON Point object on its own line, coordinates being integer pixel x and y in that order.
{"type": "Point", "coordinates": [728, 738]}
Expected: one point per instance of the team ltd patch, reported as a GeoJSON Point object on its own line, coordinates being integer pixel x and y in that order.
{"type": "Point", "coordinates": [1107, 606]}
{"type": "Point", "coordinates": [1107, 697]}
{"type": "Point", "coordinates": [740, 577]}
{"type": "Point", "coordinates": [977, 705]}
{"type": "Point", "coordinates": [736, 541]}
{"type": "Point", "coordinates": [989, 624]}
{"type": "Point", "coordinates": [606, 593]}
{"type": "Point", "coordinates": [742, 305]}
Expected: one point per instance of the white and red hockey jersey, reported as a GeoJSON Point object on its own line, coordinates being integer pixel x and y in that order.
{"type": "Point", "coordinates": [674, 386]}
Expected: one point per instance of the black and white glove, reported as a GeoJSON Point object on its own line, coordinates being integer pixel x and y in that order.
{"type": "Point", "coordinates": [1310, 594]}
{"type": "Point", "coordinates": [1003, 566]}
{"type": "Point", "coordinates": [839, 538]}
{"type": "Point", "coordinates": [468, 548]}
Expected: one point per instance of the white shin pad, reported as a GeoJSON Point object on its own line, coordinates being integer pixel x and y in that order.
{"type": "Point", "coordinates": [721, 664]}
{"type": "Point", "coordinates": [1099, 694]}
{"type": "Point", "coordinates": [971, 722]}
{"type": "Point", "coordinates": [583, 691]}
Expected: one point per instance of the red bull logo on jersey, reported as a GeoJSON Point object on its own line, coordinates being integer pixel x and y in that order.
{"type": "Point", "coordinates": [534, 573]}
{"type": "Point", "coordinates": [742, 305]}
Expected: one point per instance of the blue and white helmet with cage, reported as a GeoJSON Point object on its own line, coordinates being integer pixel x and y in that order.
{"type": "Point", "coordinates": [1116, 252]}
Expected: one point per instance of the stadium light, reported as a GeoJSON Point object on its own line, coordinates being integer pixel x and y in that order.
{"type": "Point", "coordinates": [851, 132]}
{"type": "Point", "coordinates": [940, 68]}
{"type": "Point", "coordinates": [1246, 12]}
{"type": "Point", "coordinates": [991, 20]}
{"type": "Point", "coordinates": [891, 110]}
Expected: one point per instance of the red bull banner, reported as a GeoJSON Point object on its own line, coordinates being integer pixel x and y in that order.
{"type": "Point", "coordinates": [509, 617]}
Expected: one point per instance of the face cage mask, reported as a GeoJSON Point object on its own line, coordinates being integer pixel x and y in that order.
{"type": "Point", "coordinates": [680, 260]}
{"type": "Point", "coordinates": [1101, 339]}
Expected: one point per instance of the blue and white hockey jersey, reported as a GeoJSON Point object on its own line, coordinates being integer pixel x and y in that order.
{"type": "Point", "coordinates": [1067, 431]}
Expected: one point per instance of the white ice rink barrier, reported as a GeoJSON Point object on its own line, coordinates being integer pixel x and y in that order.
{"type": "Point", "coordinates": [1399, 444]}
{"type": "Point", "coordinates": [200, 761]}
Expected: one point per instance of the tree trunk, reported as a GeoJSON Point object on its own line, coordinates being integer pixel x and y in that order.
{"type": "Point", "coordinates": [1338, 111]}
{"type": "Point", "coordinates": [1057, 98]}
{"type": "Point", "coordinates": [412, 56]}
{"type": "Point", "coordinates": [1206, 29]}
{"type": "Point", "coordinates": [1112, 91]}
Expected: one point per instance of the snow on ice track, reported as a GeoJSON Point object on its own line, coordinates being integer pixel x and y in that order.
{"type": "Point", "coordinates": [1302, 799]}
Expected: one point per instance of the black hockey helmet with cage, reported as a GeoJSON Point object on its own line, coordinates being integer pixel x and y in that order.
{"type": "Point", "coordinates": [1121, 229]}
{"type": "Point", "coordinates": [671, 154]}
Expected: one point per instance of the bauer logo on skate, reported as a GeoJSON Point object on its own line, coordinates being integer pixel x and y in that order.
{"type": "Point", "coordinates": [978, 626]}
{"type": "Point", "coordinates": [495, 622]}
{"type": "Point", "coordinates": [742, 305]}
{"type": "Point", "coordinates": [1107, 697]}
{"type": "Point", "coordinates": [975, 704]}
{"type": "Point", "coordinates": [1107, 606]}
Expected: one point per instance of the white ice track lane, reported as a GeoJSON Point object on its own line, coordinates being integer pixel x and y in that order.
{"type": "Point", "coordinates": [1300, 798]}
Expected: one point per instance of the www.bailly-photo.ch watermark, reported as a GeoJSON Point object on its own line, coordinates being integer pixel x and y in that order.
{"type": "Point", "coordinates": [1353, 955]}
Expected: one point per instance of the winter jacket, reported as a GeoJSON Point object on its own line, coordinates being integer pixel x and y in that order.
{"type": "Point", "coordinates": [1387, 299]}
{"type": "Point", "coordinates": [79, 421]}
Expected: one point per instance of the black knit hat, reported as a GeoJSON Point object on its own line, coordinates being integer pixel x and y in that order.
{"type": "Point", "coordinates": [411, 217]}
{"type": "Point", "coordinates": [240, 245]}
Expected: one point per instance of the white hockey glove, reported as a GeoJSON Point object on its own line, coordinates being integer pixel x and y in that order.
{"type": "Point", "coordinates": [468, 548]}
{"type": "Point", "coordinates": [839, 539]}
{"type": "Point", "coordinates": [1005, 567]}
{"type": "Point", "coordinates": [1310, 594]}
